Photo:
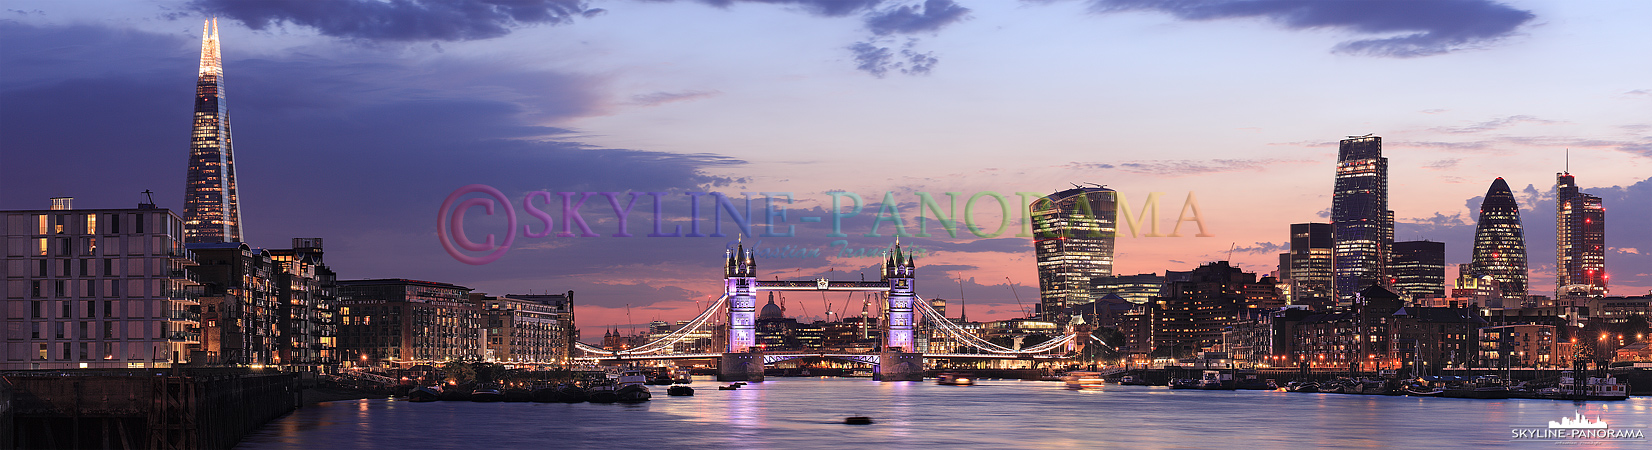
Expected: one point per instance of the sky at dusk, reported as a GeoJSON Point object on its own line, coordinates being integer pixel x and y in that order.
{"type": "Point", "coordinates": [354, 120]}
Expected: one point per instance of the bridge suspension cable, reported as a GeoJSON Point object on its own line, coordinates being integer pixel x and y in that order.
{"type": "Point", "coordinates": [664, 342]}
{"type": "Point", "coordinates": [970, 339]}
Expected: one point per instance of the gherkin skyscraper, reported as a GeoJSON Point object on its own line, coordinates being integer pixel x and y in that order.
{"type": "Point", "coordinates": [212, 210]}
{"type": "Point", "coordinates": [1499, 243]}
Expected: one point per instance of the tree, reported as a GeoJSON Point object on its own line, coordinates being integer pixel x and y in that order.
{"type": "Point", "coordinates": [458, 372]}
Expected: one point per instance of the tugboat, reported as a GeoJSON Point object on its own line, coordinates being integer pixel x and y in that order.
{"type": "Point", "coordinates": [680, 391]}
{"type": "Point", "coordinates": [728, 388]}
{"type": "Point", "coordinates": [630, 387]}
{"type": "Point", "coordinates": [425, 394]}
{"type": "Point", "coordinates": [954, 379]}
{"type": "Point", "coordinates": [1184, 383]}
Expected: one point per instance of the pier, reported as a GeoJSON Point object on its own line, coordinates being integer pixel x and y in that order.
{"type": "Point", "coordinates": [140, 409]}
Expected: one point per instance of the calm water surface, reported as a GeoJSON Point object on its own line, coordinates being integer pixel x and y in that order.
{"type": "Point", "coordinates": [788, 413]}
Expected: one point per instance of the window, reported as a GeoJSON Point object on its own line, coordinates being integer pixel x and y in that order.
{"type": "Point", "coordinates": [137, 223]}
{"type": "Point", "coordinates": [85, 268]}
{"type": "Point", "coordinates": [108, 308]}
{"type": "Point", "coordinates": [41, 227]}
{"type": "Point", "coordinates": [114, 224]}
{"type": "Point", "coordinates": [36, 309]}
{"type": "Point", "coordinates": [91, 224]}
{"type": "Point", "coordinates": [62, 288]}
{"type": "Point", "coordinates": [108, 267]}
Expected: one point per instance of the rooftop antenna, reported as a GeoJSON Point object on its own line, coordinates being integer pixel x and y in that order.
{"type": "Point", "coordinates": [1568, 161]}
{"type": "Point", "coordinates": [961, 298]}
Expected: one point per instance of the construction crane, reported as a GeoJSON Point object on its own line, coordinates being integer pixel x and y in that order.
{"type": "Point", "coordinates": [1017, 297]}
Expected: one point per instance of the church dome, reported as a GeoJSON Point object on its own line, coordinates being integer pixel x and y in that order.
{"type": "Point", "coordinates": [771, 311]}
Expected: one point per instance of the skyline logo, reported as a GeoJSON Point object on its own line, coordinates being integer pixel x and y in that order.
{"type": "Point", "coordinates": [537, 205]}
{"type": "Point", "coordinates": [1577, 429]}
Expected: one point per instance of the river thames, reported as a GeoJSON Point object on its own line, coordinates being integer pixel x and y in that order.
{"type": "Point", "coordinates": [996, 414]}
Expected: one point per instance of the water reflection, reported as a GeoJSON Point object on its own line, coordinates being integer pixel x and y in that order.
{"type": "Point", "coordinates": [808, 413]}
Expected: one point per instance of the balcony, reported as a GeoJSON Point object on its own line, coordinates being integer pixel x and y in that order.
{"type": "Point", "coordinates": [184, 316]}
{"type": "Point", "coordinates": [183, 336]}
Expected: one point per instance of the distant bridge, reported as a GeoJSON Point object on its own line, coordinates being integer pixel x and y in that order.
{"type": "Point", "coordinates": [739, 302]}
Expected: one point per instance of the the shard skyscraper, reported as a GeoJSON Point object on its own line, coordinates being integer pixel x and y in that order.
{"type": "Point", "coordinates": [212, 210]}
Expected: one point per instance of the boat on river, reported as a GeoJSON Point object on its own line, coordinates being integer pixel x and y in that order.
{"type": "Point", "coordinates": [425, 394]}
{"type": "Point", "coordinates": [955, 379]}
{"type": "Point", "coordinates": [1485, 386]}
{"type": "Point", "coordinates": [1083, 380]}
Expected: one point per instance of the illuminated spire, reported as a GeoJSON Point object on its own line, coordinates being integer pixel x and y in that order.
{"type": "Point", "coordinates": [211, 62]}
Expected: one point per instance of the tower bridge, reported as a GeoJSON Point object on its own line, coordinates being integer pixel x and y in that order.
{"type": "Point", "coordinates": [898, 360]}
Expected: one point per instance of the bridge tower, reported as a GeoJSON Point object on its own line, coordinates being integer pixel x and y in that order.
{"type": "Point", "coordinates": [741, 362]}
{"type": "Point", "coordinates": [899, 360]}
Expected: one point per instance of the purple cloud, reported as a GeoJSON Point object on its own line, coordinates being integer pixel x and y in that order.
{"type": "Point", "coordinates": [906, 19]}
{"type": "Point", "coordinates": [401, 20]}
{"type": "Point", "coordinates": [1434, 27]}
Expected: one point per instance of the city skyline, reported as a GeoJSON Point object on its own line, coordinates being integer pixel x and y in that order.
{"type": "Point", "coordinates": [593, 129]}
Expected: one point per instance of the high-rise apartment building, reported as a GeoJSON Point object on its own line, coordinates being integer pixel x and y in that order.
{"type": "Point", "coordinates": [212, 209]}
{"type": "Point", "coordinates": [1580, 241]}
{"type": "Point", "coordinates": [1499, 243]}
{"type": "Point", "coordinates": [1073, 233]}
{"type": "Point", "coordinates": [97, 288]}
{"type": "Point", "coordinates": [1363, 227]}
{"type": "Point", "coordinates": [267, 307]}
{"type": "Point", "coordinates": [1419, 269]}
{"type": "Point", "coordinates": [1309, 262]}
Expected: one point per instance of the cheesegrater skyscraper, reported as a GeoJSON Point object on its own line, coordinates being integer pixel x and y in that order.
{"type": "Point", "coordinates": [1362, 226]}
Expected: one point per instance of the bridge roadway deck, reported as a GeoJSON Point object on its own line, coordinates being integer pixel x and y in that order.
{"type": "Point", "coordinates": [771, 358]}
